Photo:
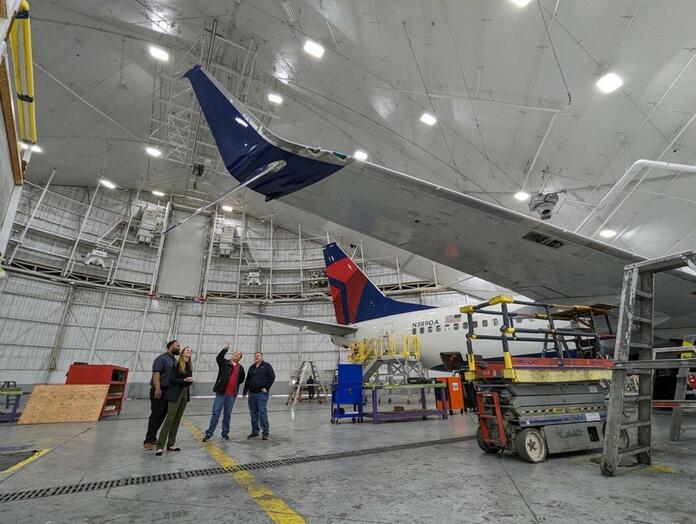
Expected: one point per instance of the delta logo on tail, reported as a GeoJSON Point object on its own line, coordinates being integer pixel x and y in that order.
{"type": "Point", "coordinates": [355, 297]}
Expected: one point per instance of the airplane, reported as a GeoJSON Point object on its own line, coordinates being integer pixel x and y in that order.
{"type": "Point", "coordinates": [529, 256]}
{"type": "Point", "coordinates": [364, 312]}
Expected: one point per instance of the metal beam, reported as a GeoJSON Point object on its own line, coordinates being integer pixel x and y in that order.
{"type": "Point", "coordinates": [97, 328]}
{"type": "Point", "coordinates": [68, 269]}
{"type": "Point", "coordinates": [52, 363]}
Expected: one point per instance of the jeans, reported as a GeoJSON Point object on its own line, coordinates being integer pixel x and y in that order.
{"type": "Point", "coordinates": [158, 412]}
{"type": "Point", "coordinates": [220, 402]}
{"type": "Point", "coordinates": [258, 411]}
{"type": "Point", "coordinates": [175, 411]}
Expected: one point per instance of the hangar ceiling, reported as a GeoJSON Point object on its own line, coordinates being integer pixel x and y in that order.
{"type": "Point", "coordinates": [484, 68]}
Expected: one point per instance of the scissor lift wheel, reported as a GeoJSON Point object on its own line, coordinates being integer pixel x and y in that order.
{"type": "Point", "coordinates": [531, 445]}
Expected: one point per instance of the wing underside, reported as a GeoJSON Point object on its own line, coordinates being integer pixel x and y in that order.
{"type": "Point", "coordinates": [326, 328]}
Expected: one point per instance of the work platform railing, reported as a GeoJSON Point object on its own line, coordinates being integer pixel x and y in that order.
{"type": "Point", "coordinates": [404, 346]}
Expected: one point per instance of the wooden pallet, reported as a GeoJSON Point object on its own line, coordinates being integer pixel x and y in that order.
{"type": "Point", "coordinates": [64, 403]}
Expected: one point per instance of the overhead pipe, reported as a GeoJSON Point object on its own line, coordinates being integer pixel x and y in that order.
{"type": "Point", "coordinates": [24, 96]}
{"type": "Point", "coordinates": [623, 182]}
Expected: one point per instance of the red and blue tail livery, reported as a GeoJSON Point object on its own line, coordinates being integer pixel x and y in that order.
{"type": "Point", "coordinates": [355, 297]}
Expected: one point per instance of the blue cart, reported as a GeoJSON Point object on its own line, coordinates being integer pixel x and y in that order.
{"type": "Point", "coordinates": [347, 390]}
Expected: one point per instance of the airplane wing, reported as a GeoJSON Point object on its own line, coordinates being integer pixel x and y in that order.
{"type": "Point", "coordinates": [531, 257]}
{"type": "Point", "coordinates": [320, 327]}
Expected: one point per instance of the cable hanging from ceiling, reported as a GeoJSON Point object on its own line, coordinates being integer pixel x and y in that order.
{"type": "Point", "coordinates": [558, 63]}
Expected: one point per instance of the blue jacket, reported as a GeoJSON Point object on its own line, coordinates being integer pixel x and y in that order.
{"type": "Point", "coordinates": [259, 377]}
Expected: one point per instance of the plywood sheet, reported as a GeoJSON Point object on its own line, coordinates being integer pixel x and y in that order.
{"type": "Point", "coordinates": [64, 403]}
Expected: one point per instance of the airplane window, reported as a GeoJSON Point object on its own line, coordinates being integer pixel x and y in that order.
{"type": "Point", "coordinates": [495, 321]}
{"type": "Point", "coordinates": [485, 323]}
{"type": "Point", "coordinates": [447, 327]}
{"type": "Point", "coordinates": [456, 327]}
{"type": "Point", "coordinates": [414, 331]}
{"type": "Point", "coordinates": [430, 329]}
{"type": "Point", "coordinates": [422, 330]}
{"type": "Point", "coordinates": [465, 325]}
{"type": "Point", "coordinates": [437, 328]}
{"type": "Point", "coordinates": [475, 323]}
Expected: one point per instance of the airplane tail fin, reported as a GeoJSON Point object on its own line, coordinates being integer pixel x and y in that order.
{"type": "Point", "coordinates": [355, 298]}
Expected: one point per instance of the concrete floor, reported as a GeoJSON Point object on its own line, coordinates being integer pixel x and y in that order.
{"type": "Point", "coordinates": [452, 482]}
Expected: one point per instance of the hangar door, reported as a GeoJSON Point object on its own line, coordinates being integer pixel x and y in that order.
{"type": "Point", "coordinates": [183, 257]}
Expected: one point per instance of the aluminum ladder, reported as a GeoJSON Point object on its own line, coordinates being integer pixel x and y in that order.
{"type": "Point", "coordinates": [307, 369]}
{"type": "Point", "coordinates": [634, 338]}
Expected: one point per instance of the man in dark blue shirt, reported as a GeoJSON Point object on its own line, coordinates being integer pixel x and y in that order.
{"type": "Point", "coordinates": [259, 379]}
{"type": "Point", "coordinates": [161, 371]}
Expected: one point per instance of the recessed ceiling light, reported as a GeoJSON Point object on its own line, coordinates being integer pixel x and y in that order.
{"type": "Point", "coordinates": [159, 53]}
{"type": "Point", "coordinates": [313, 48]}
{"type": "Point", "coordinates": [360, 155]}
{"type": "Point", "coordinates": [158, 193]}
{"type": "Point", "coordinates": [428, 119]}
{"type": "Point", "coordinates": [36, 149]}
{"type": "Point", "coordinates": [520, 3]}
{"type": "Point", "coordinates": [275, 98]}
{"type": "Point", "coordinates": [609, 82]}
{"type": "Point", "coordinates": [108, 183]}
{"type": "Point", "coordinates": [607, 233]}
{"type": "Point", "coordinates": [227, 208]}
{"type": "Point", "coordinates": [522, 196]}
{"type": "Point", "coordinates": [153, 151]}
{"type": "Point", "coordinates": [241, 121]}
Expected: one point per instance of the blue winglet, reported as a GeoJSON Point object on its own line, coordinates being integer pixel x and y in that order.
{"type": "Point", "coordinates": [244, 150]}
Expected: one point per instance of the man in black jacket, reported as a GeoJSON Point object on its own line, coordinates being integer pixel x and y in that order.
{"type": "Point", "coordinates": [258, 384]}
{"type": "Point", "coordinates": [230, 376]}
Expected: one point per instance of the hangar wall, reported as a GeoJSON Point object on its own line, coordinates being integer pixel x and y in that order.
{"type": "Point", "coordinates": [55, 310]}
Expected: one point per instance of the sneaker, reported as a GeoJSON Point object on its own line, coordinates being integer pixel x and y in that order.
{"type": "Point", "coordinates": [253, 435]}
{"type": "Point", "coordinates": [206, 439]}
{"type": "Point", "coordinates": [158, 452]}
{"type": "Point", "coordinates": [225, 437]}
{"type": "Point", "coordinates": [265, 436]}
{"type": "Point", "coordinates": [149, 446]}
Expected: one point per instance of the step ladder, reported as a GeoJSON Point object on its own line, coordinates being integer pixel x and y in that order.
{"type": "Point", "coordinates": [299, 380]}
{"type": "Point", "coordinates": [634, 355]}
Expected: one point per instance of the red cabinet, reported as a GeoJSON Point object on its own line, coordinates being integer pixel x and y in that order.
{"type": "Point", "coordinates": [115, 376]}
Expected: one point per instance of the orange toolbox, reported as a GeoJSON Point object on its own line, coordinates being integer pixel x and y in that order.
{"type": "Point", "coordinates": [455, 393]}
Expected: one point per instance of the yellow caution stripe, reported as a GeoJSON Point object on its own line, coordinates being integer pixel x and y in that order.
{"type": "Point", "coordinates": [38, 453]}
{"type": "Point", "coordinates": [277, 510]}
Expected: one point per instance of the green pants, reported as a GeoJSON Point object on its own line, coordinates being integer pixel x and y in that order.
{"type": "Point", "coordinates": [175, 410]}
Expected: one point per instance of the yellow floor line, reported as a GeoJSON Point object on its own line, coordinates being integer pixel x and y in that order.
{"type": "Point", "coordinates": [38, 453]}
{"type": "Point", "coordinates": [277, 510]}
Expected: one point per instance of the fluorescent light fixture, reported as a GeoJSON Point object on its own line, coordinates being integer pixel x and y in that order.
{"type": "Point", "coordinates": [521, 3]}
{"type": "Point", "coordinates": [153, 151]}
{"type": "Point", "coordinates": [107, 183]}
{"type": "Point", "coordinates": [607, 233]}
{"type": "Point", "coordinates": [360, 155]}
{"type": "Point", "coordinates": [240, 121]}
{"type": "Point", "coordinates": [227, 208]}
{"type": "Point", "coordinates": [428, 119]}
{"type": "Point", "coordinates": [275, 98]}
{"type": "Point", "coordinates": [522, 196]}
{"type": "Point", "coordinates": [36, 149]}
{"type": "Point", "coordinates": [314, 48]}
{"type": "Point", "coordinates": [158, 193]}
{"type": "Point", "coordinates": [609, 82]}
{"type": "Point", "coordinates": [159, 53]}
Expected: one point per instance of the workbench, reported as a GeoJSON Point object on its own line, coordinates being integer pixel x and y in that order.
{"type": "Point", "coordinates": [381, 416]}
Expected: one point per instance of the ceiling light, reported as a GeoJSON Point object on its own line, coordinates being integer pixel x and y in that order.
{"type": "Point", "coordinates": [159, 53]}
{"type": "Point", "coordinates": [227, 208]}
{"type": "Point", "coordinates": [522, 196]}
{"type": "Point", "coordinates": [313, 48]}
{"type": "Point", "coordinates": [36, 149]}
{"type": "Point", "coordinates": [521, 3]}
{"type": "Point", "coordinates": [275, 98]}
{"type": "Point", "coordinates": [153, 151]}
{"type": "Point", "coordinates": [360, 155]}
{"type": "Point", "coordinates": [609, 82]}
{"type": "Point", "coordinates": [607, 233]}
{"type": "Point", "coordinates": [158, 193]}
{"type": "Point", "coordinates": [107, 183]}
{"type": "Point", "coordinates": [24, 145]}
{"type": "Point", "coordinates": [428, 119]}
{"type": "Point", "coordinates": [241, 121]}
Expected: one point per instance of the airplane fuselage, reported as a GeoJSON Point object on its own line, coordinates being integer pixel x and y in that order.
{"type": "Point", "coordinates": [444, 329]}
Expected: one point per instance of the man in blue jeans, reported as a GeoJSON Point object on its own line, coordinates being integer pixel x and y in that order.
{"type": "Point", "coordinates": [258, 384]}
{"type": "Point", "coordinates": [226, 388]}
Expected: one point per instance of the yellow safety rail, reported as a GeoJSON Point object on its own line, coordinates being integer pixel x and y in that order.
{"type": "Point", "coordinates": [406, 346]}
{"type": "Point", "coordinates": [24, 84]}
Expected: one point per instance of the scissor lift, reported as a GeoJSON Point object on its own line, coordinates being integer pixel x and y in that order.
{"type": "Point", "coordinates": [549, 404]}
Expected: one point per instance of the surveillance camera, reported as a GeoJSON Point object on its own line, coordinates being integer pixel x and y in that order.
{"type": "Point", "coordinates": [543, 204]}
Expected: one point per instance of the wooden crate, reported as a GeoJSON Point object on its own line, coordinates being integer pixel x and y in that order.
{"type": "Point", "coordinates": [64, 403]}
